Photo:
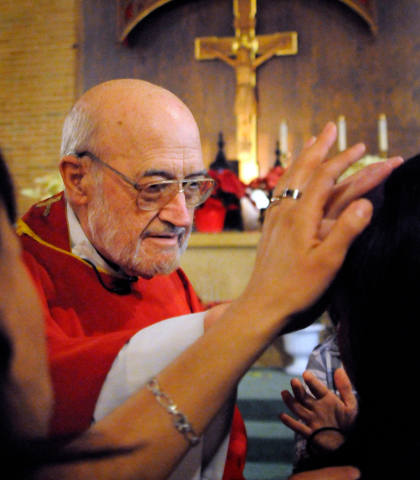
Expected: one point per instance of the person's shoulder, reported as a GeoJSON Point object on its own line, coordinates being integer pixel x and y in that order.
{"type": "Point", "coordinates": [44, 208]}
{"type": "Point", "coordinates": [45, 224]}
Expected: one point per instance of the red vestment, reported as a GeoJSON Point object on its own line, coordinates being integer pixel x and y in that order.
{"type": "Point", "coordinates": [87, 325]}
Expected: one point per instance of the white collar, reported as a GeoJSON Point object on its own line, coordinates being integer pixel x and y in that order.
{"type": "Point", "coordinates": [80, 244]}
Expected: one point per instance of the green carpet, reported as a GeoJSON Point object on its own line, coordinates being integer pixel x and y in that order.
{"type": "Point", "coordinates": [270, 443]}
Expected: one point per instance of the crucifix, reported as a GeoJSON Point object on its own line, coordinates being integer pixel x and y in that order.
{"type": "Point", "coordinates": [245, 52]}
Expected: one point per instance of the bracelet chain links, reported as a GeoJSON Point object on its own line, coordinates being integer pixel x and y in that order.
{"type": "Point", "coordinates": [181, 422]}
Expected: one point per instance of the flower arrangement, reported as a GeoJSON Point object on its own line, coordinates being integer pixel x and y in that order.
{"type": "Point", "coordinates": [222, 209]}
{"type": "Point", "coordinates": [268, 182]}
{"type": "Point", "coordinates": [44, 186]}
{"type": "Point", "coordinates": [228, 186]}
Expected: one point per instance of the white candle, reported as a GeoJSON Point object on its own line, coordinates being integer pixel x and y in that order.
{"type": "Point", "coordinates": [342, 135]}
{"type": "Point", "coordinates": [283, 137]}
{"type": "Point", "coordinates": [382, 133]}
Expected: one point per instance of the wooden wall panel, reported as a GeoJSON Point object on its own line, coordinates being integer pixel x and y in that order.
{"type": "Point", "coordinates": [341, 68]}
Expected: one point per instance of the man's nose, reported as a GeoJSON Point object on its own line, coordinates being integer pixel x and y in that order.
{"type": "Point", "coordinates": [176, 211]}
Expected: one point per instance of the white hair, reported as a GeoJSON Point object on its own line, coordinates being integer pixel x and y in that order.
{"type": "Point", "coordinates": [78, 130]}
{"type": "Point", "coordinates": [78, 135]}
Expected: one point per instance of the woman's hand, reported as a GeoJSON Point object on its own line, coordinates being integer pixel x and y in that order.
{"type": "Point", "coordinates": [298, 257]}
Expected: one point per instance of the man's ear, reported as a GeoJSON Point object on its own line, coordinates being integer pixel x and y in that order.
{"type": "Point", "coordinates": [73, 172]}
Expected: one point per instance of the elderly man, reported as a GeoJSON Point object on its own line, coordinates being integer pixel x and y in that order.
{"type": "Point", "coordinates": [105, 255]}
{"type": "Point", "coordinates": [149, 446]}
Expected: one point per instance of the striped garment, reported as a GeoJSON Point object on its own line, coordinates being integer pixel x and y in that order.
{"type": "Point", "coordinates": [323, 362]}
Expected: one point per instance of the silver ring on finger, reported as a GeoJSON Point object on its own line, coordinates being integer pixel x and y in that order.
{"type": "Point", "coordinates": [292, 193]}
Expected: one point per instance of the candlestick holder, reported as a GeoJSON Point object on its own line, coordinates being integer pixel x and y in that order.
{"type": "Point", "coordinates": [284, 158]}
{"type": "Point", "coordinates": [277, 152]}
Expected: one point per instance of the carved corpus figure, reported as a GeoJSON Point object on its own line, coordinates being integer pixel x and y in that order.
{"type": "Point", "coordinates": [245, 53]}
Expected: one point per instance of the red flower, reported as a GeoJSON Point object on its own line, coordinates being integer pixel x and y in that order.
{"type": "Point", "coordinates": [258, 183]}
{"type": "Point", "coordinates": [269, 181]}
{"type": "Point", "coordinates": [228, 182]}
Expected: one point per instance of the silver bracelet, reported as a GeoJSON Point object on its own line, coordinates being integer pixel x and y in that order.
{"type": "Point", "coordinates": [181, 422]}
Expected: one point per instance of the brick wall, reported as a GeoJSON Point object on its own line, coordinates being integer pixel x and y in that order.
{"type": "Point", "coordinates": [37, 83]}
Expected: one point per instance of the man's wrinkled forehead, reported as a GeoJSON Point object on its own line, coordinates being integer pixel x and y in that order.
{"type": "Point", "coordinates": [150, 142]}
{"type": "Point", "coordinates": [170, 164]}
{"type": "Point", "coordinates": [166, 138]}
{"type": "Point", "coordinates": [147, 117]}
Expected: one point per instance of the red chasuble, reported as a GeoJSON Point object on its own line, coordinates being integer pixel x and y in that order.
{"type": "Point", "coordinates": [88, 325]}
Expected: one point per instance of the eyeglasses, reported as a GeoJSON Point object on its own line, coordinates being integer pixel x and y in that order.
{"type": "Point", "coordinates": [155, 195]}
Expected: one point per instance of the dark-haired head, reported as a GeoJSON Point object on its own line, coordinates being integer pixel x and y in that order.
{"type": "Point", "coordinates": [376, 299]}
{"type": "Point", "coordinates": [377, 287]}
{"type": "Point", "coordinates": [7, 191]}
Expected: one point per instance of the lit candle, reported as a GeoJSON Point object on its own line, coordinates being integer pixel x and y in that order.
{"type": "Point", "coordinates": [382, 133]}
{"type": "Point", "coordinates": [342, 135]}
{"type": "Point", "coordinates": [283, 137]}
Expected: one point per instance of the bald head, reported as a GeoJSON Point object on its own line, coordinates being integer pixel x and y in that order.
{"type": "Point", "coordinates": [126, 111]}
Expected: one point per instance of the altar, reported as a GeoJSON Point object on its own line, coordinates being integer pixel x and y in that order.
{"type": "Point", "coordinates": [219, 266]}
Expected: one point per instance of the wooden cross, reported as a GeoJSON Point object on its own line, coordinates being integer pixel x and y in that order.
{"type": "Point", "coordinates": [245, 53]}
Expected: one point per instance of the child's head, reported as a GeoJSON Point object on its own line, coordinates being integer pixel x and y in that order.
{"type": "Point", "coordinates": [376, 295]}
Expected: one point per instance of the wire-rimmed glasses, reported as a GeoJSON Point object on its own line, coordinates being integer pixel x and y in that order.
{"type": "Point", "coordinates": [155, 195]}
